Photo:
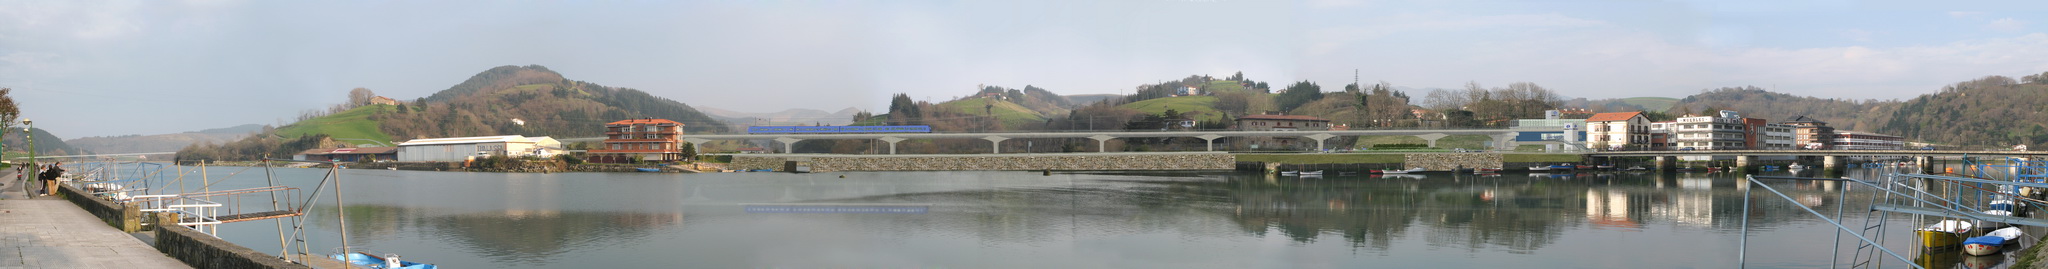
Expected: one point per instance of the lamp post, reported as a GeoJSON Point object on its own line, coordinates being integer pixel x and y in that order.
{"type": "Point", "coordinates": [31, 135]}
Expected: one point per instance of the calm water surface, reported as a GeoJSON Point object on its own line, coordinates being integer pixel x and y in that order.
{"type": "Point", "coordinates": [1066, 220]}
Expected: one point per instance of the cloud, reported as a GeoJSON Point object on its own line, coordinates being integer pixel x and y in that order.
{"type": "Point", "coordinates": [1326, 40]}
{"type": "Point", "coordinates": [1964, 14]}
{"type": "Point", "coordinates": [2007, 25]}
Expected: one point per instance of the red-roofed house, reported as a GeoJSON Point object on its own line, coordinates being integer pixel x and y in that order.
{"type": "Point", "coordinates": [656, 140]}
{"type": "Point", "coordinates": [1618, 131]}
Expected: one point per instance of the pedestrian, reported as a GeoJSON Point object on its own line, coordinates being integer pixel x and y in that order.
{"type": "Point", "coordinates": [50, 179]}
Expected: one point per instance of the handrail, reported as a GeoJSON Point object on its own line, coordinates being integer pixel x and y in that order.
{"type": "Point", "coordinates": [1743, 252]}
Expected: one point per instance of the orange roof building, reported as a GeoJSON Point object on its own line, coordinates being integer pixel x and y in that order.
{"type": "Point", "coordinates": [657, 140]}
{"type": "Point", "coordinates": [1618, 131]}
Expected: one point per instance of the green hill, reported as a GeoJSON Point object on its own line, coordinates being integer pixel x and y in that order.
{"type": "Point", "coordinates": [353, 126]}
{"type": "Point", "coordinates": [1012, 115]}
{"type": "Point", "coordinates": [506, 100]}
{"type": "Point", "coordinates": [1200, 108]}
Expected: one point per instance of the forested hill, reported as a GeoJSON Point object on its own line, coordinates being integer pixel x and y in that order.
{"type": "Point", "coordinates": [1992, 111]}
{"type": "Point", "coordinates": [1753, 102]}
{"type": "Point", "coordinates": [507, 100]}
{"type": "Point", "coordinates": [541, 101]}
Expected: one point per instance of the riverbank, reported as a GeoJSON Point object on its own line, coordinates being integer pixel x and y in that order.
{"type": "Point", "coordinates": [1115, 161]}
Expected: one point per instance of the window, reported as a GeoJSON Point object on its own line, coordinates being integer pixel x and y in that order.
{"type": "Point", "coordinates": [650, 136]}
{"type": "Point", "coordinates": [615, 147]}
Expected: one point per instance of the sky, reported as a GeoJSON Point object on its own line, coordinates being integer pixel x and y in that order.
{"type": "Point", "coordinates": [100, 68]}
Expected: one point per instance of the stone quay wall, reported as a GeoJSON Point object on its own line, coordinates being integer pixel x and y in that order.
{"type": "Point", "coordinates": [1448, 161]}
{"type": "Point", "coordinates": [992, 162]}
{"type": "Point", "coordinates": [124, 216]}
{"type": "Point", "coordinates": [205, 251]}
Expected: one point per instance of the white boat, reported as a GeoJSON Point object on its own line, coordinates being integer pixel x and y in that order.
{"type": "Point", "coordinates": [1290, 173]}
{"type": "Point", "coordinates": [1991, 242]}
{"type": "Point", "coordinates": [1795, 166]}
{"type": "Point", "coordinates": [1410, 170]}
{"type": "Point", "coordinates": [1312, 173]}
{"type": "Point", "coordinates": [1539, 168]}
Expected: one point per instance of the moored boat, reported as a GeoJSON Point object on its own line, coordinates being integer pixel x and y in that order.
{"type": "Point", "coordinates": [1539, 168]}
{"type": "Point", "coordinates": [389, 261]}
{"type": "Point", "coordinates": [1312, 173]}
{"type": "Point", "coordinates": [1410, 170]}
{"type": "Point", "coordinates": [647, 169]}
{"type": "Point", "coordinates": [1943, 235]}
{"type": "Point", "coordinates": [1991, 242]}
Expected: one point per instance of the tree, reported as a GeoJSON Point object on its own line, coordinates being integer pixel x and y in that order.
{"type": "Point", "coordinates": [1298, 94]}
{"type": "Point", "coordinates": [359, 97]}
{"type": "Point", "coordinates": [689, 151]}
{"type": "Point", "coordinates": [902, 110]}
{"type": "Point", "coordinates": [8, 112]}
{"type": "Point", "coordinates": [1239, 76]}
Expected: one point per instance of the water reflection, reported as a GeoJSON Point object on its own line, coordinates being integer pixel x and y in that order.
{"type": "Point", "coordinates": [1015, 219]}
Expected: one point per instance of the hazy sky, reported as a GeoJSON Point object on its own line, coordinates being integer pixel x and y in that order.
{"type": "Point", "coordinates": [88, 68]}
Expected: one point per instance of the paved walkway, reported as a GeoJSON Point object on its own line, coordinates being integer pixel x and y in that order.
{"type": "Point", "coordinates": [46, 232]}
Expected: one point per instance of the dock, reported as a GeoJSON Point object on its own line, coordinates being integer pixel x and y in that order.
{"type": "Point", "coordinates": [48, 232]}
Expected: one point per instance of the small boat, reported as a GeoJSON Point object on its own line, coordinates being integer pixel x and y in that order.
{"type": "Point", "coordinates": [393, 168]}
{"type": "Point", "coordinates": [1486, 170]}
{"type": "Point", "coordinates": [1795, 166]}
{"type": "Point", "coordinates": [1605, 167]}
{"type": "Point", "coordinates": [1564, 167]}
{"type": "Point", "coordinates": [648, 169]}
{"type": "Point", "coordinates": [1312, 173]}
{"type": "Point", "coordinates": [1401, 176]}
{"type": "Point", "coordinates": [1290, 173]}
{"type": "Point", "coordinates": [1943, 235]}
{"type": "Point", "coordinates": [1991, 242]}
{"type": "Point", "coordinates": [1637, 168]}
{"type": "Point", "coordinates": [389, 261]}
{"type": "Point", "coordinates": [1410, 170]}
{"type": "Point", "coordinates": [1539, 168]}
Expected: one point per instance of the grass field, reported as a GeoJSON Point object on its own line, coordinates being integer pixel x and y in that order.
{"type": "Point", "coordinates": [1321, 158]}
{"type": "Point", "coordinates": [1012, 115]}
{"type": "Point", "coordinates": [1201, 107]}
{"type": "Point", "coordinates": [354, 123]}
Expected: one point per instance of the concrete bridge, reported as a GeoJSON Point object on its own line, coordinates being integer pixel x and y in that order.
{"type": "Point", "coordinates": [1831, 159]}
{"type": "Point", "coordinates": [1500, 136]}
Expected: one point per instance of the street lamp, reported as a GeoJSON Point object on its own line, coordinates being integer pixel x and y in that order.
{"type": "Point", "coordinates": [26, 132]}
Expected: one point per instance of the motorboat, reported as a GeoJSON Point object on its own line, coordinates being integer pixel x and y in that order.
{"type": "Point", "coordinates": [647, 169]}
{"type": "Point", "coordinates": [1943, 235]}
{"type": "Point", "coordinates": [1636, 168]}
{"type": "Point", "coordinates": [1539, 168]}
{"type": "Point", "coordinates": [1991, 242]}
{"type": "Point", "coordinates": [1564, 167]}
{"type": "Point", "coordinates": [388, 261]}
{"type": "Point", "coordinates": [1290, 173]}
{"type": "Point", "coordinates": [1312, 173]}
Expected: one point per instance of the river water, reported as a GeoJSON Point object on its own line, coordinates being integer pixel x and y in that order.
{"type": "Point", "coordinates": [1062, 220]}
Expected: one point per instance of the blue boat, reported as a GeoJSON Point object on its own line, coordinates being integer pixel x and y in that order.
{"type": "Point", "coordinates": [1991, 242]}
{"type": "Point", "coordinates": [374, 262]}
{"type": "Point", "coordinates": [648, 169]}
{"type": "Point", "coordinates": [1563, 167]}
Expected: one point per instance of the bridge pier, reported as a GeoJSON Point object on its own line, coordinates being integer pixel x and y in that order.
{"type": "Point", "coordinates": [1432, 138]}
{"type": "Point", "coordinates": [1743, 162]}
{"type": "Point", "coordinates": [788, 144]}
{"type": "Point", "coordinates": [1322, 137]}
{"type": "Point", "coordinates": [1101, 142]}
{"type": "Point", "coordinates": [1667, 163]}
{"type": "Point", "coordinates": [1926, 164]}
{"type": "Point", "coordinates": [892, 143]}
{"type": "Point", "coordinates": [1831, 162]}
{"type": "Point", "coordinates": [996, 144]}
{"type": "Point", "coordinates": [1211, 138]}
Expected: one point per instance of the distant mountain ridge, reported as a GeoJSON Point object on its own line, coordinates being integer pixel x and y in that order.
{"type": "Point", "coordinates": [795, 116]}
{"type": "Point", "coordinates": [162, 142]}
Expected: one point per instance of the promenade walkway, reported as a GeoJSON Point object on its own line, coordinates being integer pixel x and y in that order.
{"type": "Point", "coordinates": [46, 232]}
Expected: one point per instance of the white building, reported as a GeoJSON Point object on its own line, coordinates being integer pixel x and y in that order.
{"type": "Point", "coordinates": [1709, 132]}
{"type": "Point", "coordinates": [1618, 131]}
{"type": "Point", "coordinates": [1779, 137]}
{"type": "Point", "coordinates": [463, 148]}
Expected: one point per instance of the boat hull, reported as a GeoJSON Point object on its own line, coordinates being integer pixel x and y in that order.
{"type": "Point", "coordinates": [1938, 239]}
{"type": "Point", "coordinates": [1983, 245]}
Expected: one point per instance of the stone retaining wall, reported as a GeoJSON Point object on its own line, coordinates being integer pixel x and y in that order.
{"type": "Point", "coordinates": [1448, 161]}
{"type": "Point", "coordinates": [205, 251]}
{"type": "Point", "coordinates": [126, 217]}
{"type": "Point", "coordinates": [992, 162]}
